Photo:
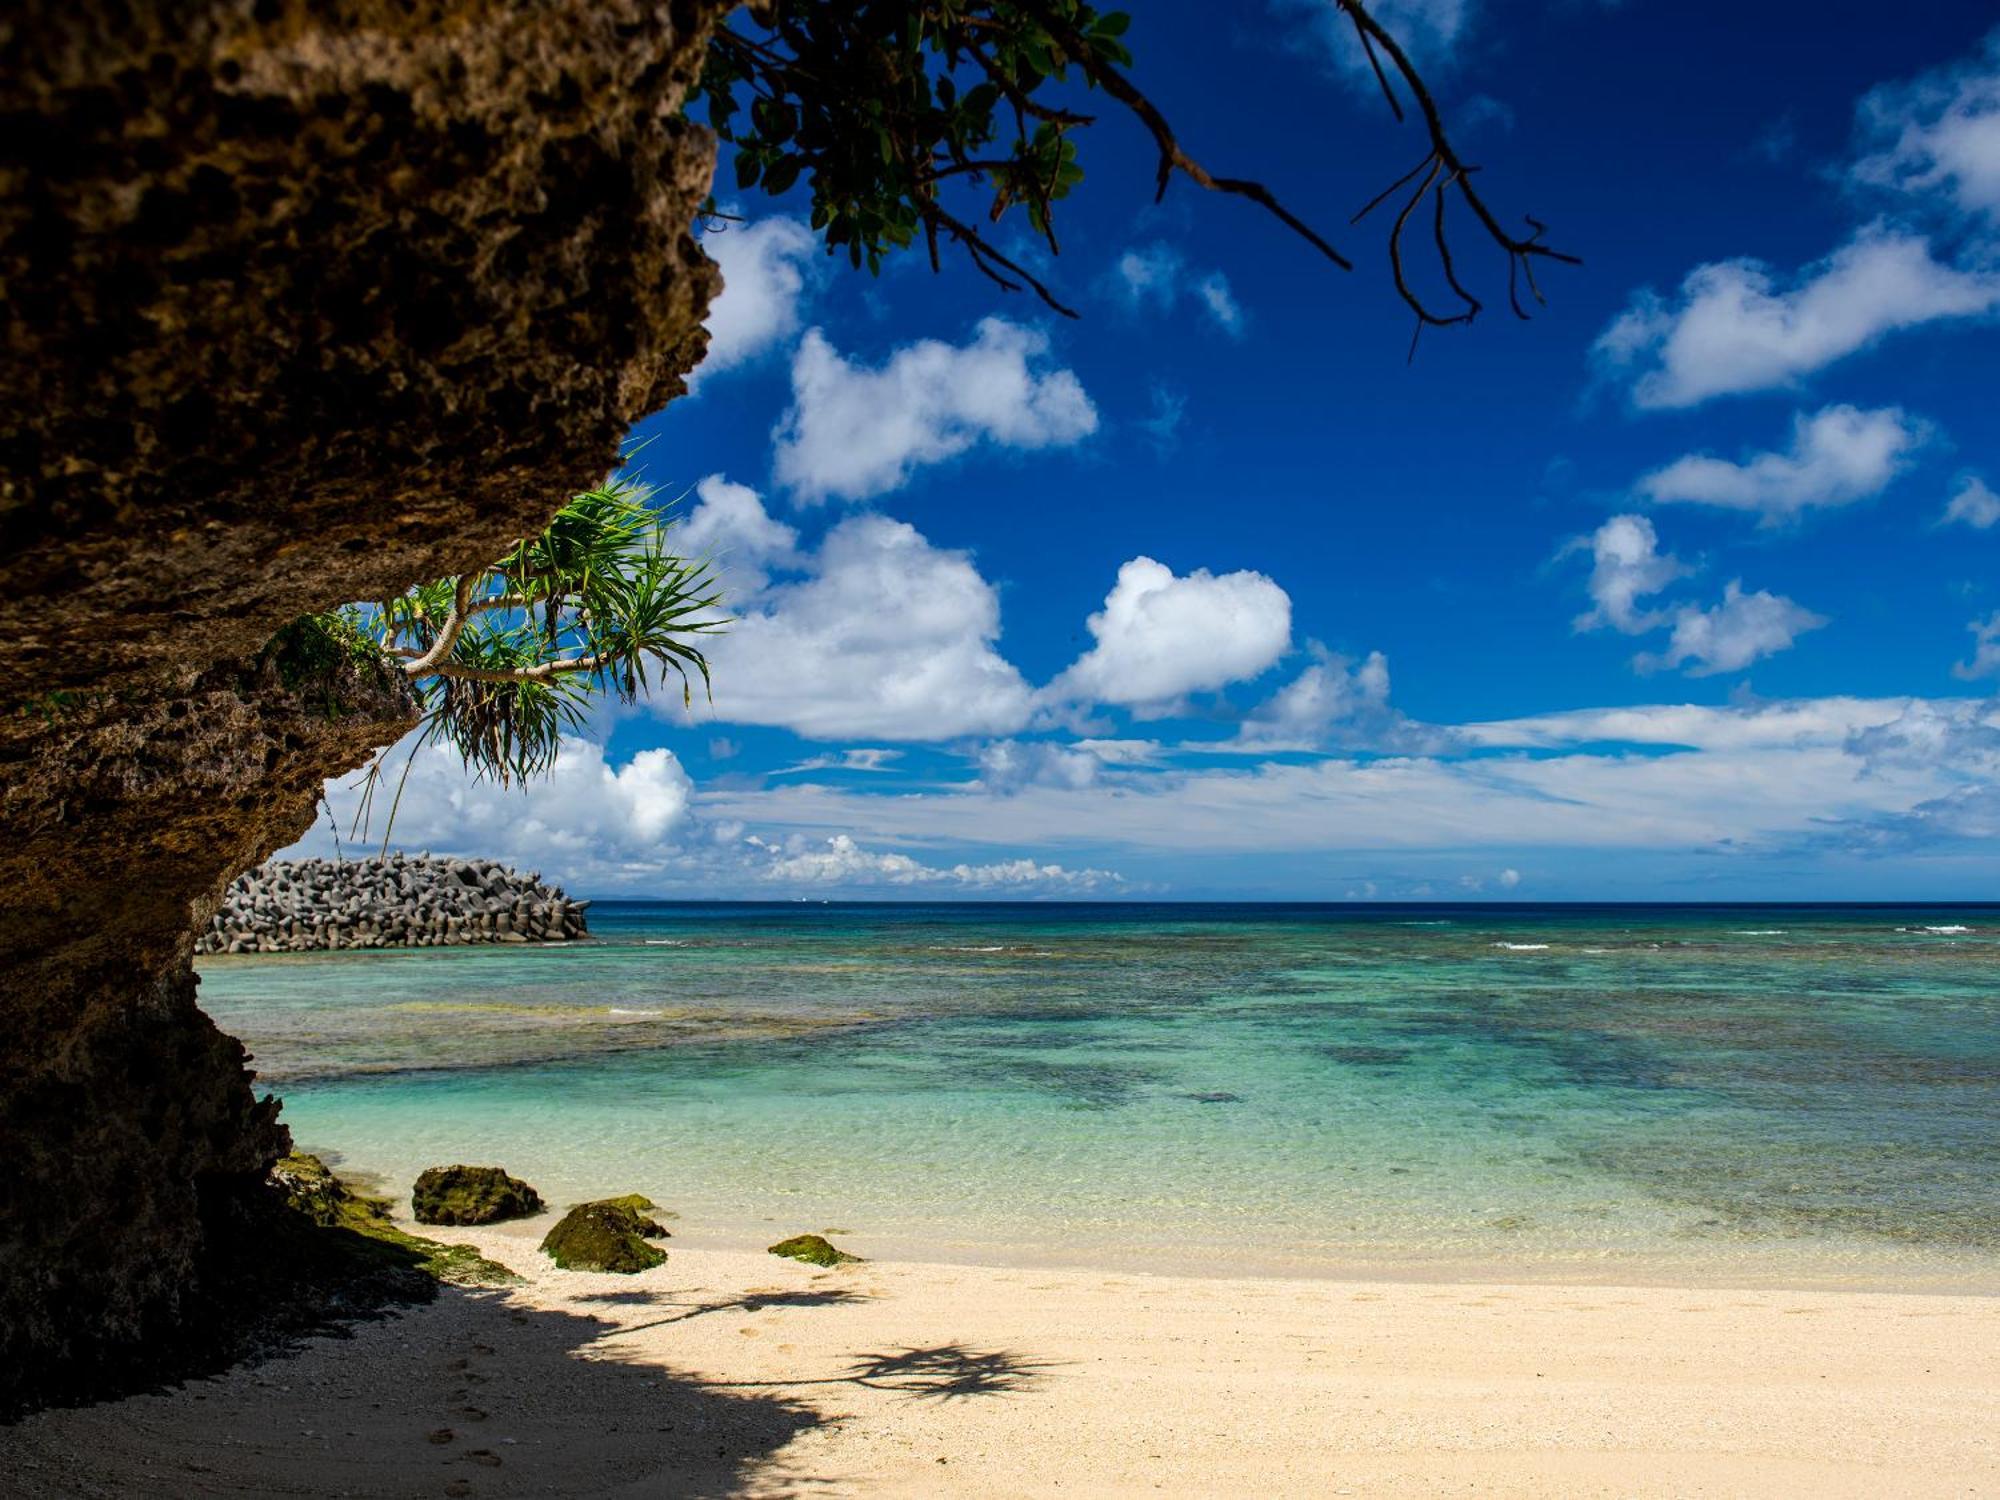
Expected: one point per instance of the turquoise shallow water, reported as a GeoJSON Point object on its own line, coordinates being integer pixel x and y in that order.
{"type": "Point", "coordinates": [1756, 1094]}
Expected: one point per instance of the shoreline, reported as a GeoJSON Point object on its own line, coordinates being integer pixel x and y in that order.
{"type": "Point", "coordinates": [1722, 1272]}
{"type": "Point", "coordinates": [733, 1372]}
{"type": "Point", "coordinates": [1766, 1264]}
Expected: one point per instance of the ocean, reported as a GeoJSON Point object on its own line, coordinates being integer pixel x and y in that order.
{"type": "Point", "coordinates": [1747, 1095]}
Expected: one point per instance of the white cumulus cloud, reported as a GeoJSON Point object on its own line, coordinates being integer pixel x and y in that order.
{"type": "Point", "coordinates": [1735, 327]}
{"type": "Point", "coordinates": [729, 527]}
{"type": "Point", "coordinates": [1628, 568]}
{"type": "Point", "coordinates": [855, 432]}
{"type": "Point", "coordinates": [1161, 636]}
{"type": "Point", "coordinates": [593, 825]}
{"type": "Point", "coordinates": [587, 813]}
{"type": "Point", "coordinates": [1838, 455]}
{"type": "Point", "coordinates": [763, 279]}
{"type": "Point", "coordinates": [883, 636]}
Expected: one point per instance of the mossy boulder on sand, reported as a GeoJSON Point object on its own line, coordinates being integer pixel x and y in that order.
{"type": "Point", "coordinates": [312, 1190]}
{"type": "Point", "coordinates": [604, 1236]}
{"type": "Point", "coordinates": [471, 1195]}
{"type": "Point", "coordinates": [813, 1250]}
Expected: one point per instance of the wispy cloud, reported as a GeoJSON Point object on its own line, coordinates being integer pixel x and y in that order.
{"type": "Point", "coordinates": [1737, 326]}
{"type": "Point", "coordinates": [1628, 568]}
{"type": "Point", "coordinates": [1972, 504]}
{"type": "Point", "coordinates": [1837, 456]}
{"type": "Point", "coordinates": [1157, 278]}
{"type": "Point", "coordinates": [1729, 636]}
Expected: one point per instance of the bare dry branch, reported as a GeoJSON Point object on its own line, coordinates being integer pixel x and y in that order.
{"type": "Point", "coordinates": [1172, 158]}
{"type": "Point", "coordinates": [1521, 251]}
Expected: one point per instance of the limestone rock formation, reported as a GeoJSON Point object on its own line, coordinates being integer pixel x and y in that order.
{"type": "Point", "coordinates": [307, 300]}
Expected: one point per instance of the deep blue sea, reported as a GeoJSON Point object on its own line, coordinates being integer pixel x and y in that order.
{"type": "Point", "coordinates": [1788, 1094]}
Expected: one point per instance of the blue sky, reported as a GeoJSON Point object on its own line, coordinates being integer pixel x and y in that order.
{"type": "Point", "coordinates": [1675, 592]}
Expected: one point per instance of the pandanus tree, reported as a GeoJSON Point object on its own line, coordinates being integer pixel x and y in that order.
{"type": "Point", "coordinates": [507, 659]}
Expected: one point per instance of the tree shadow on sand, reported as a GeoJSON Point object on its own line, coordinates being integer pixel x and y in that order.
{"type": "Point", "coordinates": [942, 1372]}
{"type": "Point", "coordinates": [473, 1396]}
{"type": "Point", "coordinates": [747, 1302]}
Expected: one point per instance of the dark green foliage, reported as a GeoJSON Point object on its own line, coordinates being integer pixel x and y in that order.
{"type": "Point", "coordinates": [880, 104]}
{"type": "Point", "coordinates": [596, 603]}
{"type": "Point", "coordinates": [507, 660]}
{"type": "Point", "coordinates": [321, 656]}
{"type": "Point", "coordinates": [603, 1237]}
{"type": "Point", "coordinates": [813, 1250]}
{"type": "Point", "coordinates": [908, 117]}
{"type": "Point", "coordinates": [471, 1195]}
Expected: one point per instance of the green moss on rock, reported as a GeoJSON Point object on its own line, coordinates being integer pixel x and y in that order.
{"type": "Point", "coordinates": [366, 1232]}
{"type": "Point", "coordinates": [813, 1250]}
{"type": "Point", "coordinates": [606, 1236]}
{"type": "Point", "coordinates": [471, 1195]}
{"type": "Point", "coordinates": [639, 1203]}
{"type": "Point", "coordinates": [325, 658]}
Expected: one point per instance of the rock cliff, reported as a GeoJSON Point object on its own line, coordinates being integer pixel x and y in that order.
{"type": "Point", "coordinates": [307, 300]}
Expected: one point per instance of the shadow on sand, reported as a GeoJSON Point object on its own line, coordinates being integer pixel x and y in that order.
{"type": "Point", "coordinates": [748, 1302]}
{"type": "Point", "coordinates": [943, 1372]}
{"type": "Point", "coordinates": [472, 1396]}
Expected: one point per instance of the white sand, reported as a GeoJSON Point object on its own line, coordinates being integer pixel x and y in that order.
{"type": "Point", "coordinates": [725, 1373]}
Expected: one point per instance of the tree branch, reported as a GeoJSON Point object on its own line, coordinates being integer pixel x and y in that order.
{"type": "Point", "coordinates": [1172, 157]}
{"type": "Point", "coordinates": [541, 671]}
{"type": "Point", "coordinates": [447, 636]}
{"type": "Point", "coordinates": [1455, 173]}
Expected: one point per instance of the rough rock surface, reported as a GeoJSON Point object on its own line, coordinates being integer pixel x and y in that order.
{"type": "Point", "coordinates": [471, 1195]}
{"type": "Point", "coordinates": [292, 906]}
{"type": "Point", "coordinates": [311, 298]}
{"type": "Point", "coordinates": [604, 1236]}
{"type": "Point", "coordinates": [307, 300]}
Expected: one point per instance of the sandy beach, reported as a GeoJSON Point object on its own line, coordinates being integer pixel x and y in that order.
{"type": "Point", "coordinates": [733, 1373]}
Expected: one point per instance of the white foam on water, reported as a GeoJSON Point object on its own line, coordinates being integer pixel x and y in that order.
{"type": "Point", "coordinates": [1524, 947]}
{"type": "Point", "coordinates": [1948, 929]}
{"type": "Point", "coordinates": [666, 942]}
{"type": "Point", "coordinates": [1756, 932]}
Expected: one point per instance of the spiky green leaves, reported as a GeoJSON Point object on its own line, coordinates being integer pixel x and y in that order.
{"type": "Point", "coordinates": [507, 661]}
